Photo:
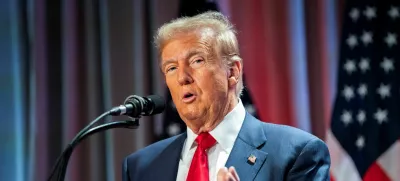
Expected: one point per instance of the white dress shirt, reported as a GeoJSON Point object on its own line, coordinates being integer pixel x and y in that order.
{"type": "Point", "coordinates": [225, 134]}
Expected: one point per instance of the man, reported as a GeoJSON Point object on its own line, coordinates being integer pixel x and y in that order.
{"type": "Point", "coordinates": [203, 70]}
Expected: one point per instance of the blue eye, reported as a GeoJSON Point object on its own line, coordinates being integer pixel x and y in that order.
{"type": "Point", "coordinates": [171, 69]}
{"type": "Point", "coordinates": [198, 61]}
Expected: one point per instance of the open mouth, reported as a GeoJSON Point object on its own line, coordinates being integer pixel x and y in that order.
{"type": "Point", "coordinates": [188, 97]}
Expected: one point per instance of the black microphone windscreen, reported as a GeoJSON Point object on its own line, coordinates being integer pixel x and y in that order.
{"type": "Point", "coordinates": [159, 103]}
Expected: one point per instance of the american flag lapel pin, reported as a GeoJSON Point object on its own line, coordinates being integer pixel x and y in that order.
{"type": "Point", "coordinates": [252, 159]}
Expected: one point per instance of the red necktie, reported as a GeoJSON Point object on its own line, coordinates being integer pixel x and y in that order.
{"type": "Point", "coordinates": [199, 167]}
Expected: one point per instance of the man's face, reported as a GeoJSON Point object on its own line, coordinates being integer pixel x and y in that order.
{"type": "Point", "coordinates": [197, 80]}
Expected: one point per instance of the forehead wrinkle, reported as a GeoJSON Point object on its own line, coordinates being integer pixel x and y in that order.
{"type": "Point", "coordinates": [203, 43]}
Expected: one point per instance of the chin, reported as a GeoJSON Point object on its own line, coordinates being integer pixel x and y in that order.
{"type": "Point", "coordinates": [193, 118]}
{"type": "Point", "coordinates": [190, 116]}
{"type": "Point", "coordinates": [190, 112]}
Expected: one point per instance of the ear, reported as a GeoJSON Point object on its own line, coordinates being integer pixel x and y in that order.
{"type": "Point", "coordinates": [234, 72]}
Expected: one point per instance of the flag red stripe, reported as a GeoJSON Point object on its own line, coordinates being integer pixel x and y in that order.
{"type": "Point", "coordinates": [331, 177]}
{"type": "Point", "coordinates": [374, 173]}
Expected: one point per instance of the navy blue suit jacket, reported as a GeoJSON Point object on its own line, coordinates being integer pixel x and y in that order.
{"type": "Point", "coordinates": [282, 153]}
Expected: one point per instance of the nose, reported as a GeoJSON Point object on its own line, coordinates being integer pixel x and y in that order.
{"type": "Point", "coordinates": [184, 76]}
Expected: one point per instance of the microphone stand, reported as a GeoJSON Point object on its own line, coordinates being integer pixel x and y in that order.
{"type": "Point", "coordinates": [60, 168]}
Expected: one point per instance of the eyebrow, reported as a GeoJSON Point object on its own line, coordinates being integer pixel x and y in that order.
{"type": "Point", "coordinates": [190, 53]}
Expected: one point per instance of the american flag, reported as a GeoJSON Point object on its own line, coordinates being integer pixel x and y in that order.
{"type": "Point", "coordinates": [173, 124]}
{"type": "Point", "coordinates": [365, 126]}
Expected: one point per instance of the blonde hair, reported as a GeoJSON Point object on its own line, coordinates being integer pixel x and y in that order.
{"type": "Point", "coordinates": [224, 34]}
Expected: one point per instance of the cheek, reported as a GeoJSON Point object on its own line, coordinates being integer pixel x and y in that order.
{"type": "Point", "coordinates": [215, 83]}
{"type": "Point", "coordinates": [222, 81]}
{"type": "Point", "coordinates": [172, 86]}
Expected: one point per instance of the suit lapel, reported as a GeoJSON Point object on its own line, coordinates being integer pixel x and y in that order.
{"type": "Point", "coordinates": [168, 161]}
{"type": "Point", "coordinates": [246, 156]}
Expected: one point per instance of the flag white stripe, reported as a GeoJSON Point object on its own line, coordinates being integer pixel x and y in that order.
{"type": "Point", "coordinates": [342, 166]}
{"type": "Point", "coordinates": [390, 161]}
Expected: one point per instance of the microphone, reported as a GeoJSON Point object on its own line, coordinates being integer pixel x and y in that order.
{"type": "Point", "coordinates": [135, 106]}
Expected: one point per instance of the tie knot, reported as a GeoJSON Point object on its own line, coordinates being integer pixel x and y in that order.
{"type": "Point", "coordinates": [205, 140]}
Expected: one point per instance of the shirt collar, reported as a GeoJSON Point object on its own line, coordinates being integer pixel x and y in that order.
{"type": "Point", "coordinates": [225, 133]}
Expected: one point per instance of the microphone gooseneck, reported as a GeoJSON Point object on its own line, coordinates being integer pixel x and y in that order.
{"type": "Point", "coordinates": [134, 106]}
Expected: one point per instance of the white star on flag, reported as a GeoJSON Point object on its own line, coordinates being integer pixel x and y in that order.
{"type": "Point", "coordinates": [381, 116]}
{"type": "Point", "coordinates": [391, 39]}
{"type": "Point", "coordinates": [346, 117]}
{"type": "Point", "coordinates": [364, 64]}
{"type": "Point", "coordinates": [394, 12]}
{"type": "Point", "coordinates": [361, 117]}
{"type": "Point", "coordinates": [350, 66]}
{"type": "Point", "coordinates": [366, 38]}
{"type": "Point", "coordinates": [354, 14]}
{"type": "Point", "coordinates": [348, 92]}
{"type": "Point", "coordinates": [352, 41]}
{"type": "Point", "coordinates": [364, 122]}
{"type": "Point", "coordinates": [370, 12]}
{"type": "Point", "coordinates": [362, 90]}
{"type": "Point", "coordinates": [387, 64]}
{"type": "Point", "coordinates": [384, 91]}
{"type": "Point", "coordinates": [360, 143]}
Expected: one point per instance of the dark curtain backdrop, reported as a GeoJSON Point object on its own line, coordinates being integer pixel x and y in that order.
{"type": "Point", "coordinates": [64, 62]}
